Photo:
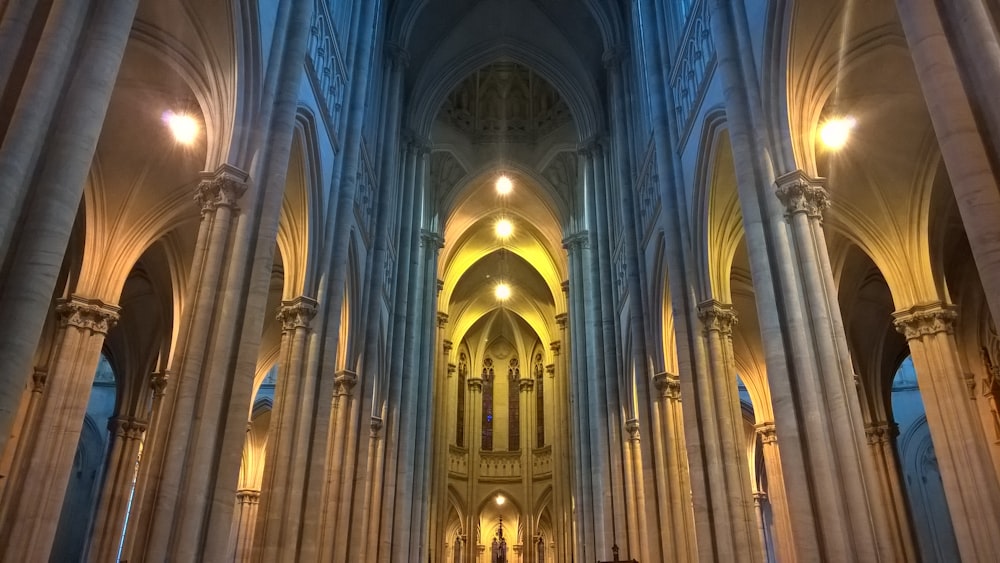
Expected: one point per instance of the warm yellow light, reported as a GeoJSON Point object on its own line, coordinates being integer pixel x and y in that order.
{"type": "Point", "coordinates": [504, 185]}
{"type": "Point", "coordinates": [502, 293]}
{"type": "Point", "coordinates": [500, 500]}
{"type": "Point", "coordinates": [504, 228]}
{"type": "Point", "coordinates": [836, 131]}
{"type": "Point", "coordinates": [182, 126]}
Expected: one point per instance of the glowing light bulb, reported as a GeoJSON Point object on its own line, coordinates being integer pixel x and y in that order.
{"type": "Point", "coordinates": [183, 127]}
{"type": "Point", "coordinates": [500, 500]}
{"type": "Point", "coordinates": [504, 185]}
{"type": "Point", "coordinates": [502, 291]}
{"type": "Point", "coordinates": [504, 228]}
{"type": "Point", "coordinates": [836, 131]}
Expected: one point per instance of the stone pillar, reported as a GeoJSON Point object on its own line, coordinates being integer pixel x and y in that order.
{"type": "Point", "coordinates": [970, 483]}
{"type": "Point", "coordinates": [719, 412]}
{"type": "Point", "coordinates": [675, 498]}
{"type": "Point", "coordinates": [47, 219]}
{"type": "Point", "coordinates": [783, 540]}
{"type": "Point", "coordinates": [288, 438]}
{"type": "Point", "coordinates": [37, 494]}
{"type": "Point", "coordinates": [127, 434]}
{"type": "Point", "coordinates": [247, 504]}
{"type": "Point", "coordinates": [958, 134]}
{"type": "Point", "coordinates": [340, 458]}
{"type": "Point", "coordinates": [881, 440]}
{"type": "Point", "coordinates": [635, 488]}
{"type": "Point", "coordinates": [759, 499]}
{"type": "Point", "coordinates": [475, 433]}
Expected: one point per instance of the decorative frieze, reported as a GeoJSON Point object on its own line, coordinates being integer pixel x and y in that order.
{"type": "Point", "coordinates": [924, 320]}
{"type": "Point", "coordinates": [695, 62]}
{"type": "Point", "coordinates": [801, 194]}
{"type": "Point", "coordinates": [221, 188]}
{"type": "Point", "coordinates": [325, 66]}
{"type": "Point", "coordinates": [718, 317]}
{"type": "Point", "coordinates": [297, 313]}
{"type": "Point", "coordinates": [87, 314]}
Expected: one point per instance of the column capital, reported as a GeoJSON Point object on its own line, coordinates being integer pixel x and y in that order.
{"type": "Point", "coordinates": [475, 384]}
{"type": "Point", "coordinates": [592, 146]}
{"type": "Point", "coordinates": [924, 320]}
{"type": "Point", "coordinates": [577, 241]}
{"type": "Point", "coordinates": [158, 382]}
{"type": "Point", "coordinates": [447, 345]}
{"type": "Point", "coordinates": [442, 319]}
{"type": "Point", "coordinates": [344, 381]}
{"type": "Point", "coordinates": [562, 319]}
{"type": "Point", "coordinates": [716, 316]}
{"type": "Point", "coordinates": [221, 188]}
{"type": "Point", "coordinates": [800, 193]}
{"type": "Point", "coordinates": [297, 313]}
{"type": "Point", "coordinates": [614, 56]}
{"type": "Point", "coordinates": [430, 239]}
{"type": "Point", "coordinates": [127, 427]}
{"type": "Point", "coordinates": [759, 497]}
{"type": "Point", "coordinates": [375, 426]}
{"type": "Point", "coordinates": [397, 55]}
{"type": "Point", "coordinates": [555, 346]}
{"type": "Point", "coordinates": [668, 384]}
{"type": "Point", "coordinates": [248, 496]}
{"type": "Point", "coordinates": [525, 385]}
{"type": "Point", "coordinates": [90, 314]}
{"type": "Point", "coordinates": [768, 432]}
{"type": "Point", "coordinates": [880, 432]}
{"type": "Point", "coordinates": [632, 427]}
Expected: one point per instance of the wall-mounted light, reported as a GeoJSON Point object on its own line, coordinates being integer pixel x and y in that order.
{"type": "Point", "coordinates": [183, 126]}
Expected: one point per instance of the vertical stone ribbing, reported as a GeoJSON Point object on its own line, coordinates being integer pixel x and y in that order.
{"type": "Point", "coordinates": [247, 505]}
{"type": "Point", "coordinates": [970, 484]}
{"type": "Point", "coordinates": [881, 440]}
{"type": "Point", "coordinates": [784, 543]}
{"type": "Point", "coordinates": [126, 437]}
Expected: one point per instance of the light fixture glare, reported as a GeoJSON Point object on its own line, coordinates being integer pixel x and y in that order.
{"type": "Point", "coordinates": [504, 185]}
{"type": "Point", "coordinates": [501, 500]}
{"type": "Point", "coordinates": [502, 291]}
{"type": "Point", "coordinates": [836, 131]}
{"type": "Point", "coordinates": [504, 228]}
{"type": "Point", "coordinates": [184, 127]}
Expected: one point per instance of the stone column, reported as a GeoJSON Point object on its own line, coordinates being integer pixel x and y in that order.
{"type": "Point", "coordinates": [247, 504]}
{"type": "Point", "coordinates": [474, 432]}
{"type": "Point", "coordinates": [759, 498]}
{"type": "Point", "coordinates": [30, 526]}
{"type": "Point", "coordinates": [47, 219]}
{"type": "Point", "coordinates": [675, 498]}
{"type": "Point", "coordinates": [970, 483]}
{"type": "Point", "coordinates": [783, 540]}
{"type": "Point", "coordinates": [958, 134]}
{"type": "Point", "coordinates": [340, 457]}
{"type": "Point", "coordinates": [288, 438]}
{"type": "Point", "coordinates": [127, 434]}
{"type": "Point", "coordinates": [719, 411]}
{"type": "Point", "coordinates": [881, 440]}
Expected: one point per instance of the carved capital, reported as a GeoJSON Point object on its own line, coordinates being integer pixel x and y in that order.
{"type": "Point", "coordinates": [397, 55]}
{"type": "Point", "coordinates": [577, 242]}
{"type": "Point", "coordinates": [614, 56]}
{"type": "Point", "coordinates": [430, 239]}
{"type": "Point", "coordinates": [562, 320]}
{"type": "Point", "coordinates": [880, 432]}
{"type": "Point", "coordinates": [38, 380]}
{"type": "Point", "coordinates": [556, 347]}
{"type": "Point", "coordinates": [344, 382]}
{"type": "Point", "coordinates": [717, 317]}
{"type": "Point", "coordinates": [767, 432]}
{"type": "Point", "coordinates": [759, 497]}
{"type": "Point", "coordinates": [158, 382]}
{"type": "Point", "coordinates": [375, 427]}
{"type": "Point", "coordinates": [127, 427]}
{"type": "Point", "coordinates": [475, 384]}
{"type": "Point", "coordinates": [442, 319]}
{"type": "Point", "coordinates": [447, 346]}
{"type": "Point", "coordinates": [925, 320]}
{"type": "Point", "coordinates": [297, 313]}
{"type": "Point", "coordinates": [88, 314]}
{"type": "Point", "coordinates": [525, 385]}
{"type": "Point", "coordinates": [248, 496]}
{"type": "Point", "coordinates": [222, 188]}
{"type": "Point", "coordinates": [632, 427]}
{"type": "Point", "coordinates": [668, 385]}
{"type": "Point", "coordinates": [801, 194]}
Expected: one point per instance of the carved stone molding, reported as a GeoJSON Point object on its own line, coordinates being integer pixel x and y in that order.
{"type": "Point", "coordinates": [344, 382]}
{"type": "Point", "coordinates": [430, 239]}
{"type": "Point", "coordinates": [801, 194]}
{"type": "Point", "coordinates": [221, 188]}
{"type": "Point", "coordinates": [718, 317]}
{"type": "Point", "coordinates": [925, 320]}
{"type": "Point", "coordinates": [577, 241]}
{"type": "Point", "coordinates": [89, 314]}
{"type": "Point", "coordinates": [767, 432]}
{"type": "Point", "coordinates": [297, 313]}
{"type": "Point", "coordinates": [127, 427]}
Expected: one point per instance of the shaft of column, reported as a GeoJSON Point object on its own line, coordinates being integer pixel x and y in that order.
{"type": "Point", "coordinates": [127, 434]}
{"type": "Point", "coordinates": [55, 197]}
{"type": "Point", "coordinates": [784, 541]}
{"type": "Point", "coordinates": [970, 483]}
{"type": "Point", "coordinates": [965, 157]}
{"type": "Point", "coordinates": [880, 439]}
{"type": "Point", "coordinates": [16, 17]}
{"type": "Point", "coordinates": [337, 461]}
{"type": "Point", "coordinates": [247, 504]}
{"type": "Point", "coordinates": [28, 532]}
